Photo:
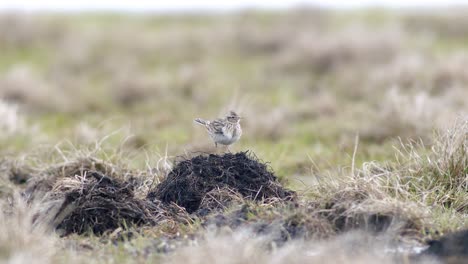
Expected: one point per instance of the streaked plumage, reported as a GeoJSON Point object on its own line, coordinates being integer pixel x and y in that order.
{"type": "Point", "coordinates": [224, 131]}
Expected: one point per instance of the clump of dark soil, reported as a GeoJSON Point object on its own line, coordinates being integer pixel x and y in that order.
{"type": "Point", "coordinates": [101, 204]}
{"type": "Point", "coordinates": [190, 180]}
{"type": "Point", "coordinates": [454, 244]}
{"type": "Point", "coordinates": [97, 203]}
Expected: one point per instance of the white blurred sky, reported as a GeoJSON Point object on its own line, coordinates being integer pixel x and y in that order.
{"type": "Point", "coordinates": [207, 5]}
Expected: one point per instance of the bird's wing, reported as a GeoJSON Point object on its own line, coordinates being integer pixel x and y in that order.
{"type": "Point", "coordinates": [228, 130]}
{"type": "Point", "coordinates": [216, 126]}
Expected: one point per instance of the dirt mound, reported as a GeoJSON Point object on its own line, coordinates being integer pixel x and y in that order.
{"type": "Point", "coordinates": [97, 203]}
{"type": "Point", "coordinates": [43, 182]}
{"type": "Point", "coordinates": [190, 180]}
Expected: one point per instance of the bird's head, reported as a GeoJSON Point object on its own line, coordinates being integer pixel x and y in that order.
{"type": "Point", "coordinates": [233, 117]}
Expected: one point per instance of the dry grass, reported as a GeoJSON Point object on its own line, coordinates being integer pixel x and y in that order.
{"type": "Point", "coordinates": [440, 177]}
{"type": "Point", "coordinates": [22, 239]}
{"type": "Point", "coordinates": [368, 202]}
{"type": "Point", "coordinates": [407, 116]}
{"type": "Point", "coordinates": [331, 53]}
{"type": "Point", "coordinates": [21, 85]}
{"type": "Point", "coordinates": [375, 199]}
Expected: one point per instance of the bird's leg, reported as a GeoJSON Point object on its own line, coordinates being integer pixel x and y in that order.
{"type": "Point", "coordinates": [216, 144]}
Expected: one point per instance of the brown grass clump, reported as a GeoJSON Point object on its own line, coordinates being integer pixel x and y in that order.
{"type": "Point", "coordinates": [372, 199]}
{"type": "Point", "coordinates": [44, 180]}
{"type": "Point", "coordinates": [373, 215]}
{"type": "Point", "coordinates": [220, 199]}
{"type": "Point", "coordinates": [190, 180]}
{"type": "Point", "coordinates": [29, 31]}
{"type": "Point", "coordinates": [405, 193]}
{"type": "Point", "coordinates": [129, 90]}
{"type": "Point", "coordinates": [320, 53]}
{"type": "Point", "coordinates": [407, 116]}
{"type": "Point", "coordinates": [98, 203]}
{"type": "Point", "coordinates": [440, 177]}
{"type": "Point", "coordinates": [262, 40]}
{"type": "Point", "coordinates": [450, 154]}
{"type": "Point", "coordinates": [449, 23]}
{"type": "Point", "coordinates": [416, 71]}
{"type": "Point", "coordinates": [23, 86]}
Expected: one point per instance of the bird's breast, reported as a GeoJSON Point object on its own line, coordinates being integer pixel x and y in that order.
{"type": "Point", "coordinates": [237, 133]}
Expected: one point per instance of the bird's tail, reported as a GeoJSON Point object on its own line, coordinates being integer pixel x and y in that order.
{"type": "Point", "coordinates": [200, 121]}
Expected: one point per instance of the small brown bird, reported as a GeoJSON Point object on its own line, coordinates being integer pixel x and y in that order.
{"type": "Point", "coordinates": [225, 131]}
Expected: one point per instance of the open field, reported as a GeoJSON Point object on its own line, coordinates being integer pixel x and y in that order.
{"type": "Point", "coordinates": [355, 123]}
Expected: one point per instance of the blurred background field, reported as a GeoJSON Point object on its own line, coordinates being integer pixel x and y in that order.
{"type": "Point", "coordinates": [324, 93]}
{"type": "Point", "coordinates": [307, 81]}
